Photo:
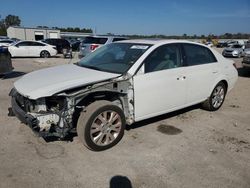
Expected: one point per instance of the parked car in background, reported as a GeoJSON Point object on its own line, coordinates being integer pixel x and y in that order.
{"type": "Point", "coordinates": [235, 50]}
{"type": "Point", "coordinates": [121, 83]}
{"type": "Point", "coordinates": [209, 44]}
{"type": "Point", "coordinates": [6, 42]}
{"type": "Point", "coordinates": [91, 43]}
{"type": "Point", "coordinates": [5, 61]}
{"type": "Point", "coordinates": [246, 58]}
{"type": "Point", "coordinates": [222, 44]}
{"type": "Point", "coordinates": [61, 44]}
{"type": "Point", "coordinates": [32, 49]}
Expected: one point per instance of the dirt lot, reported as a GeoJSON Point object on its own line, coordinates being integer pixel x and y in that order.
{"type": "Point", "coordinates": [189, 148]}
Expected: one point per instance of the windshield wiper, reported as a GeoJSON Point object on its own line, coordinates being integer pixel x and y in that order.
{"type": "Point", "coordinates": [91, 67]}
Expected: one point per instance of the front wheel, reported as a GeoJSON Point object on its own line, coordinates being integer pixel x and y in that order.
{"type": "Point", "coordinates": [101, 125]}
{"type": "Point", "coordinates": [216, 99]}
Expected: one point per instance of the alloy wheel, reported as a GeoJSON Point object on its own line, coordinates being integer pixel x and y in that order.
{"type": "Point", "coordinates": [105, 128]}
{"type": "Point", "coordinates": [218, 96]}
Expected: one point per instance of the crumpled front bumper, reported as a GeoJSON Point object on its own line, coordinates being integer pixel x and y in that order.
{"type": "Point", "coordinates": [21, 114]}
{"type": "Point", "coordinates": [32, 121]}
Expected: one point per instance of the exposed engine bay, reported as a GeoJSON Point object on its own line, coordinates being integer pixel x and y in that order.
{"type": "Point", "coordinates": [56, 115]}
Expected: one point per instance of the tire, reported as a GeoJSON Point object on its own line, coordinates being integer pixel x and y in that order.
{"type": "Point", "coordinates": [97, 118]}
{"type": "Point", "coordinates": [44, 54]}
{"type": "Point", "coordinates": [216, 99]}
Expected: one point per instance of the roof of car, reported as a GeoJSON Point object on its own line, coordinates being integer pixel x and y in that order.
{"type": "Point", "coordinates": [106, 36]}
{"type": "Point", "coordinates": [157, 41]}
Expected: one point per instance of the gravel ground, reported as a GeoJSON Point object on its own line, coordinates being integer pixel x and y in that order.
{"type": "Point", "coordinates": [187, 148]}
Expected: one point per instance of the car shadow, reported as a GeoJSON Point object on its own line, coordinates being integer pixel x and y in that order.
{"type": "Point", "coordinates": [161, 117]}
{"type": "Point", "coordinates": [244, 72]}
{"type": "Point", "coordinates": [13, 74]}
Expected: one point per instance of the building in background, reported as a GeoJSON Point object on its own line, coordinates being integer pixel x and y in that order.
{"type": "Point", "coordinates": [28, 33]}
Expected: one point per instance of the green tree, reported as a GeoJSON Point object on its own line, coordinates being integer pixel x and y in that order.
{"type": "Point", "coordinates": [12, 20]}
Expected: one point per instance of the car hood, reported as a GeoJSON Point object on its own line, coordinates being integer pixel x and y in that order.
{"type": "Point", "coordinates": [46, 82]}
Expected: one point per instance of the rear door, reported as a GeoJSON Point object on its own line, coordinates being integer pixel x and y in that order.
{"type": "Point", "coordinates": [201, 72]}
{"type": "Point", "coordinates": [36, 48]}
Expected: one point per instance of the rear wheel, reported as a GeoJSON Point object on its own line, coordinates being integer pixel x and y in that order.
{"type": "Point", "coordinates": [101, 125]}
{"type": "Point", "coordinates": [44, 54]}
{"type": "Point", "coordinates": [216, 99]}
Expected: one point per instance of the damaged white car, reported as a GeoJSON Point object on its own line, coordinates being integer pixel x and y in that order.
{"type": "Point", "coordinates": [119, 84]}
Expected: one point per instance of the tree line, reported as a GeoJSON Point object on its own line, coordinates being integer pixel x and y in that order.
{"type": "Point", "coordinates": [69, 29]}
{"type": "Point", "coordinates": [13, 20]}
{"type": "Point", "coordinates": [185, 36]}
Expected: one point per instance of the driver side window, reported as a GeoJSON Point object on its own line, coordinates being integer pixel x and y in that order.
{"type": "Point", "coordinates": [164, 57]}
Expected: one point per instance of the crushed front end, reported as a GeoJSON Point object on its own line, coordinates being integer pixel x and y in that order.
{"type": "Point", "coordinates": [48, 116]}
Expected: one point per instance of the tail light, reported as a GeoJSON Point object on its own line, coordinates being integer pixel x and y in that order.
{"type": "Point", "coordinates": [93, 47]}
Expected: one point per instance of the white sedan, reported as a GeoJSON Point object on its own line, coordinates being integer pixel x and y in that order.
{"type": "Point", "coordinates": [32, 49]}
{"type": "Point", "coordinates": [121, 83]}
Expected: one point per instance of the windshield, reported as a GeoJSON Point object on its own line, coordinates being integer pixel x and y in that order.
{"type": "Point", "coordinates": [115, 57]}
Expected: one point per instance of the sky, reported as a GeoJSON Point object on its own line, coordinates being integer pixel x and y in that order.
{"type": "Point", "coordinates": [144, 17]}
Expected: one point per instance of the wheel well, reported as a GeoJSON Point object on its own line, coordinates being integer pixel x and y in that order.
{"type": "Point", "coordinates": [92, 97]}
{"type": "Point", "coordinates": [109, 96]}
{"type": "Point", "coordinates": [225, 83]}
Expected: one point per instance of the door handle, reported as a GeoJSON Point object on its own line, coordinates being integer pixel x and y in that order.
{"type": "Point", "coordinates": [214, 72]}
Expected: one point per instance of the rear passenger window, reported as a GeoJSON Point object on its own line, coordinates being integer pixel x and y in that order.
{"type": "Point", "coordinates": [197, 55]}
{"type": "Point", "coordinates": [36, 44]}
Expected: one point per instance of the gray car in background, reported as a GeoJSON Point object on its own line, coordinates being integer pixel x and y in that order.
{"type": "Point", "coordinates": [91, 43]}
{"type": "Point", "coordinates": [235, 50]}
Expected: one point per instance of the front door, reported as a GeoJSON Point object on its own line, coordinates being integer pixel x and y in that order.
{"type": "Point", "coordinates": [21, 49]}
{"type": "Point", "coordinates": [162, 87]}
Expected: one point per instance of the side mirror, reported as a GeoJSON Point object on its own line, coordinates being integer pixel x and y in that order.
{"type": "Point", "coordinates": [17, 46]}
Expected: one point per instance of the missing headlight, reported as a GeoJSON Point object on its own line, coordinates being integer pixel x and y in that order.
{"type": "Point", "coordinates": [55, 104]}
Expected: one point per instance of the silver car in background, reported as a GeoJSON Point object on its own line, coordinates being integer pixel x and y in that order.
{"type": "Point", "coordinates": [91, 43]}
{"type": "Point", "coordinates": [235, 50]}
{"type": "Point", "coordinates": [246, 58]}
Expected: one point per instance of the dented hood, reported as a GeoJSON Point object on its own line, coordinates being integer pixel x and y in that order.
{"type": "Point", "coordinates": [46, 82]}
